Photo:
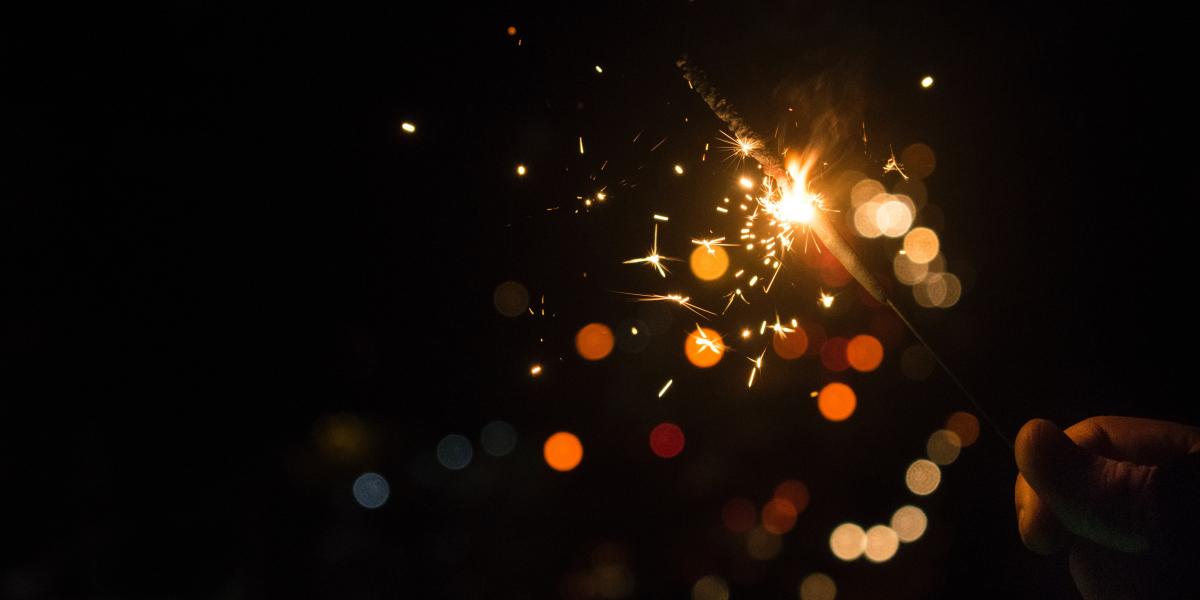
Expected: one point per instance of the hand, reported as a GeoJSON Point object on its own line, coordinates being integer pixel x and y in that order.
{"type": "Point", "coordinates": [1123, 494]}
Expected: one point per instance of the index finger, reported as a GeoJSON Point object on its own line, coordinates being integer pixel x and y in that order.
{"type": "Point", "coordinates": [1141, 441]}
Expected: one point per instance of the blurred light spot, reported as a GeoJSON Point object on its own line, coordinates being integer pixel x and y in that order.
{"type": "Point", "coordinates": [454, 452]}
{"type": "Point", "coordinates": [909, 522]}
{"type": "Point", "coordinates": [511, 299]}
{"type": "Point", "coordinates": [795, 492]}
{"type": "Point", "coordinates": [882, 543]}
{"type": "Point", "coordinates": [915, 190]}
{"type": "Point", "coordinates": [836, 401]}
{"type": "Point", "coordinates": [666, 440]}
{"type": "Point", "coordinates": [779, 516]}
{"type": "Point", "coordinates": [745, 183]}
{"type": "Point", "coordinates": [791, 345]}
{"type": "Point", "coordinates": [931, 290]}
{"type": "Point", "coordinates": [864, 220]}
{"type": "Point", "coordinates": [893, 216]}
{"type": "Point", "coordinates": [563, 451]}
{"type": "Point", "coordinates": [739, 515]}
{"type": "Point", "coordinates": [498, 438]}
{"type": "Point", "coordinates": [408, 127]}
{"type": "Point", "coordinates": [917, 363]}
{"type": "Point", "coordinates": [922, 477]}
{"type": "Point", "coordinates": [918, 160]}
{"type": "Point", "coordinates": [907, 271]}
{"type": "Point", "coordinates": [370, 490]}
{"type": "Point", "coordinates": [341, 436]}
{"type": "Point", "coordinates": [512, 30]}
{"type": "Point", "coordinates": [833, 354]}
{"type": "Point", "coordinates": [708, 266]}
{"type": "Point", "coordinates": [632, 336]}
{"type": "Point", "coordinates": [921, 245]}
{"type": "Point", "coordinates": [818, 586]}
{"type": "Point", "coordinates": [594, 341]}
{"type": "Point", "coordinates": [864, 353]}
{"type": "Point", "coordinates": [952, 291]}
{"type": "Point", "coordinates": [521, 170]}
{"type": "Point", "coordinates": [965, 425]}
{"type": "Point", "coordinates": [679, 169]}
{"type": "Point", "coordinates": [762, 544]}
{"type": "Point", "coordinates": [848, 541]}
{"type": "Point", "coordinates": [943, 447]}
{"type": "Point", "coordinates": [598, 69]}
{"type": "Point", "coordinates": [535, 370]}
{"type": "Point", "coordinates": [703, 348]}
{"type": "Point", "coordinates": [864, 191]}
{"type": "Point", "coordinates": [927, 81]}
{"type": "Point", "coordinates": [710, 587]}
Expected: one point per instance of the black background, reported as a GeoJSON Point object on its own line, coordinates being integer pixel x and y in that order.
{"type": "Point", "coordinates": [213, 233]}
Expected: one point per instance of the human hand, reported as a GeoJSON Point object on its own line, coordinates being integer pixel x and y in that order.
{"type": "Point", "coordinates": [1124, 494]}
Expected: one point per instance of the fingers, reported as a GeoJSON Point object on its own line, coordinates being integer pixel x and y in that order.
{"type": "Point", "coordinates": [1095, 498]}
{"type": "Point", "coordinates": [1142, 441]}
{"type": "Point", "coordinates": [1039, 528]}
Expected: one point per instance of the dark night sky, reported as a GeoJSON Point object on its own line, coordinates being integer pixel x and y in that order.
{"type": "Point", "coordinates": [214, 235]}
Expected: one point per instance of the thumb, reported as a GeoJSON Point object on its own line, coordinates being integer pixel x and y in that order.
{"type": "Point", "coordinates": [1105, 501]}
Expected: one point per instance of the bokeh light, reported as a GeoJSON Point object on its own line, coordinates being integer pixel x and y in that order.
{"type": "Point", "coordinates": [521, 170]}
{"type": "Point", "coordinates": [710, 587]}
{"type": "Point", "coordinates": [563, 451]}
{"type": "Point", "coordinates": [882, 543]}
{"type": "Point", "coordinates": [791, 345]}
{"type": "Point", "coordinates": [952, 291]}
{"type": "Point", "coordinates": [864, 353]}
{"type": "Point", "coordinates": [795, 492]}
{"type": "Point", "coordinates": [965, 425]}
{"type": "Point", "coordinates": [893, 216]}
{"type": "Point", "coordinates": [907, 271]}
{"type": "Point", "coordinates": [864, 191]}
{"type": "Point", "coordinates": [909, 523]}
{"type": "Point", "coordinates": [779, 516]}
{"type": "Point", "coordinates": [943, 447]}
{"type": "Point", "coordinates": [917, 363]}
{"type": "Point", "coordinates": [454, 452]}
{"type": "Point", "coordinates": [511, 30]}
{"type": "Point", "coordinates": [371, 490]}
{"type": "Point", "coordinates": [709, 264]}
{"type": "Point", "coordinates": [594, 341]}
{"type": "Point", "coordinates": [922, 477]}
{"type": "Point", "coordinates": [865, 223]}
{"type": "Point", "coordinates": [919, 160]}
{"type": "Point", "coordinates": [498, 438]}
{"type": "Point", "coordinates": [836, 401]}
{"type": "Point", "coordinates": [921, 245]}
{"type": "Point", "coordinates": [931, 291]}
{"type": "Point", "coordinates": [833, 354]}
{"type": "Point", "coordinates": [818, 586]}
{"type": "Point", "coordinates": [666, 440]}
{"type": "Point", "coordinates": [739, 515]}
{"type": "Point", "coordinates": [848, 541]}
{"type": "Point", "coordinates": [341, 436]}
{"type": "Point", "coordinates": [703, 347]}
{"type": "Point", "coordinates": [511, 299]}
{"type": "Point", "coordinates": [762, 544]}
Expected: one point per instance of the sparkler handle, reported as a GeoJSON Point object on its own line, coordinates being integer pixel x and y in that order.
{"type": "Point", "coordinates": [849, 259]}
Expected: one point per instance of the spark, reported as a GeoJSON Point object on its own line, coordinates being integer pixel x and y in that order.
{"type": "Point", "coordinates": [708, 244]}
{"type": "Point", "coordinates": [660, 142]}
{"type": "Point", "coordinates": [599, 70]}
{"type": "Point", "coordinates": [581, 144]}
{"type": "Point", "coordinates": [521, 170]}
{"type": "Point", "coordinates": [705, 343]}
{"type": "Point", "coordinates": [661, 218]}
{"type": "Point", "coordinates": [825, 300]}
{"type": "Point", "coordinates": [535, 370]}
{"type": "Point", "coordinates": [780, 329]}
{"type": "Point", "coordinates": [757, 362]}
{"type": "Point", "coordinates": [654, 259]}
{"type": "Point", "coordinates": [679, 299]}
{"type": "Point", "coordinates": [737, 293]}
{"type": "Point", "coordinates": [739, 147]}
{"type": "Point", "coordinates": [678, 170]}
{"type": "Point", "coordinates": [892, 165]}
{"type": "Point", "coordinates": [666, 386]}
{"type": "Point", "coordinates": [746, 183]}
{"type": "Point", "coordinates": [927, 81]}
{"type": "Point", "coordinates": [408, 127]}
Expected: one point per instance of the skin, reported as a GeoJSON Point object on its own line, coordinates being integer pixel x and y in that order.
{"type": "Point", "coordinates": [1099, 491]}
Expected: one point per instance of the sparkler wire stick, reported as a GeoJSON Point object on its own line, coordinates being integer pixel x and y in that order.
{"type": "Point", "coordinates": [824, 231]}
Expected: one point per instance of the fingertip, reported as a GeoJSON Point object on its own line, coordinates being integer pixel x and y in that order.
{"type": "Point", "coordinates": [1030, 442]}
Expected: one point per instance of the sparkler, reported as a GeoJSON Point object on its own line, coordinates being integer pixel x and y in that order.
{"type": "Point", "coordinates": [794, 207]}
